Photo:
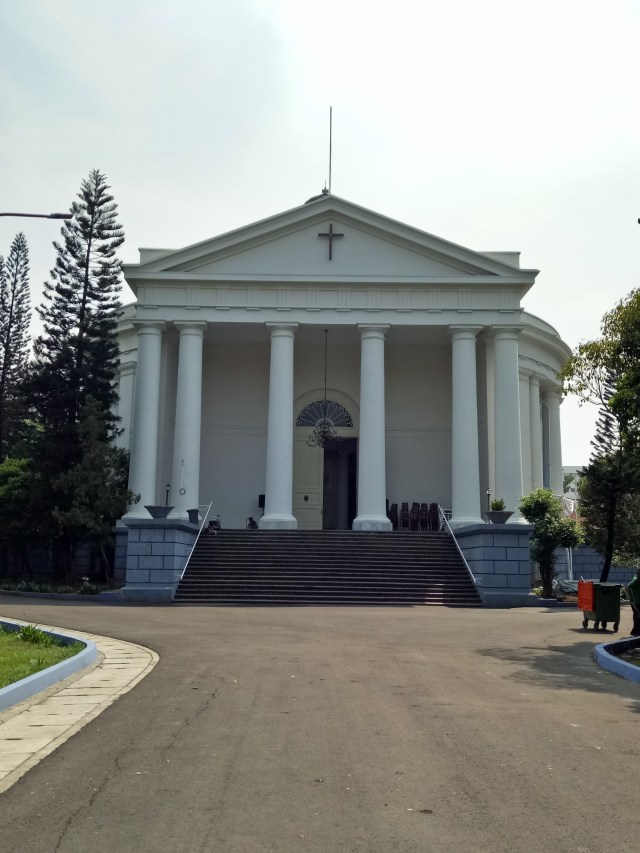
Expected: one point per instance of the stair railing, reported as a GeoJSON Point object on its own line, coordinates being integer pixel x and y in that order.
{"type": "Point", "coordinates": [446, 528]}
{"type": "Point", "coordinates": [204, 521]}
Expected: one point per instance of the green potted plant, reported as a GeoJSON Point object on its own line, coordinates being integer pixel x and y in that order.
{"type": "Point", "coordinates": [498, 512]}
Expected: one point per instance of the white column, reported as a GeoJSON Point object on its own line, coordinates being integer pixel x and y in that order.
{"type": "Point", "coordinates": [465, 459]}
{"type": "Point", "coordinates": [125, 403]}
{"type": "Point", "coordinates": [144, 433]}
{"type": "Point", "coordinates": [185, 488]}
{"type": "Point", "coordinates": [536, 433]}
{"type": "Point", "coordinates": [525, 431]}
{"type": "Point", "coordinates": [508, 470]}
{"type": "Point", "coordinates": [553, 398]}
{"type": "Point", "coordinates": [491, 414]}
{"type": "Point", "coordinates": [372, 481]}
{"type": "Point", "coordinates": [278, 507]}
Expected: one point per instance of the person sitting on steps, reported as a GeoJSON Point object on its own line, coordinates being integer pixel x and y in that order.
{"type": "Point", "coordinates": [214, 526]}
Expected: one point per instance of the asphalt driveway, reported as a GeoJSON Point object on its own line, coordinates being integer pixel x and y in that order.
{"type": "Point", "coordinates": [341, 729]}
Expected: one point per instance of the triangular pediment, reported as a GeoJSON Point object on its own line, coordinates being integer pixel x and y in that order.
{"type": "Point", "coordinates": [295, 245]}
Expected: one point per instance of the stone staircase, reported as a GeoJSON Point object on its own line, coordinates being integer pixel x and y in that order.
{"type": "Point", "coordinates": [305, 567]}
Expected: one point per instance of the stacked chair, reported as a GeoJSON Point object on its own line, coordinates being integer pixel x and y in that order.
{"type": "Point", "coordinates": [420, 516]}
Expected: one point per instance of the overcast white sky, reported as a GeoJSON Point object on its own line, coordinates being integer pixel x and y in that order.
{"type": "Point", "coordinates": [497, 125]}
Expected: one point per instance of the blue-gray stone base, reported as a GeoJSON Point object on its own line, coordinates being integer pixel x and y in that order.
{"type": "Point", "coordinates": [499, 558]}
{"type": "Point", "coordinates": [156, 554]}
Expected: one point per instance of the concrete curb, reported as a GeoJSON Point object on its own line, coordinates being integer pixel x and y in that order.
{"type": "Point", "coordinates": [33, 728]}
{"type": "Point", "coordinates": [32, 684]}
{"type": "Point", "coordinates": [605, 655]}
{"type": "Point", "coordinates": [99, 597]}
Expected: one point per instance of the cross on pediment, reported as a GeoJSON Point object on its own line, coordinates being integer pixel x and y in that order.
{"type": "Point", "coordinates": [331, 237]}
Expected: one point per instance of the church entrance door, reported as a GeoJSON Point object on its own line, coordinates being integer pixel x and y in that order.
{"type": "Point", "coordinates": [339, 485]}
{"type": "Point", "coordinates": [308, 468]}
{"type": "Point", "coordinates": [324, 484]}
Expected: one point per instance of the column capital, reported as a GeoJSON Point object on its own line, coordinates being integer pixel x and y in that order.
{"type": "Point", "coordinates": [372, 330]}
{"type": "Point", "coordinates": [554, 394]}
{"type": "Point", "coordinates": [126, 367]}
{"type": "Point", "coordinates": [149, 327]}
{"type": "Point", "coordinates": [461, 331]}
{"type": "Point", "coordinates": [505, 332]}
{"type": "Point", "coordinates": [197, 327]}
{"type": "Point", "coordinates": [282, 329]}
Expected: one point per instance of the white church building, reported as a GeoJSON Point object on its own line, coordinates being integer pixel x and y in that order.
{"type": "Point", "coordinates": [416, 351]}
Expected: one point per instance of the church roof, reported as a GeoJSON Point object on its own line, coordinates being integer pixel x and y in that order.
{"type": "Point", "coordinates": [298, 244]}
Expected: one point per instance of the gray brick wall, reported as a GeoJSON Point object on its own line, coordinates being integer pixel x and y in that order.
{"type": "Point", "coordinates": [587, 564]}
{"type": "Point", "coordinates": [498, 556]}
{"type": "Point", "coordinates": [156, 554]}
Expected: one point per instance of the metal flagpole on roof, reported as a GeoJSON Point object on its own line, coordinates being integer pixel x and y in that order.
{"type": "Point", "coordinates": [330, 143]}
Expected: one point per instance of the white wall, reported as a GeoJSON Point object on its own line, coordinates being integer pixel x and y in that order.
{"type": "Point", "coordinates": [418, 421]}
{"type": "Point", "coordinates": [235, 390]}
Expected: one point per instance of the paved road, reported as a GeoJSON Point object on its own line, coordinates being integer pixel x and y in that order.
{"type": "Point", "coordinates": [369, 730]}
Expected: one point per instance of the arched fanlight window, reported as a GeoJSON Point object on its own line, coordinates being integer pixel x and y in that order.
{"type": "Point", "coordinates": [325, 416]}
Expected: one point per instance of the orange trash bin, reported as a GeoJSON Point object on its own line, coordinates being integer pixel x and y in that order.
{"type": "Point", "coordinates": [586, 595]}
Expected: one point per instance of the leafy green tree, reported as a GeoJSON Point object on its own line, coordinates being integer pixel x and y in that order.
{"type": "Point", "coordinates": [15, 489]}
{"type": "Point", "coordinates": [15, 315]}
{"type": "Point", "coordinates": [607, 372]}
{"type": "Point", "coordinates": [551, 530]}
{"type": "Point", "coordinates": [610, 486]}
{"type": "Point", "coordinates": [96, 485]}
{"type": "Point", "coordinates": [608, 496]}
{"type": "Point", "coordinates": [621, 350]}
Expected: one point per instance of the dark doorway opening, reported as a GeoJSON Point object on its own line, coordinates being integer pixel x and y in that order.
{"type": "Point", "coordinates": [339, 503]}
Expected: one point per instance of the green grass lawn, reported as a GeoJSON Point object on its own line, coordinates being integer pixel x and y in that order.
{"type": "Point", "coordinates": [29, 650]}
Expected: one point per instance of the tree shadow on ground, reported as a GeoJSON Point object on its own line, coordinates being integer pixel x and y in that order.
{"type": "Point", "coordinates": [570, 667]}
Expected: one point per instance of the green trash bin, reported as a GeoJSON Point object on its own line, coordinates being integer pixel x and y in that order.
{"type": "Point", "coordinates": [607, 606]}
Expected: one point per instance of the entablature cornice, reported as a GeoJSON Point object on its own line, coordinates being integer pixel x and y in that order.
{"type": "Point", "coordinates": [334, 316]}
{"type": "Point", "coordinates": [520, 279]}
{"type": "Point", "coordinates": [370, 296]}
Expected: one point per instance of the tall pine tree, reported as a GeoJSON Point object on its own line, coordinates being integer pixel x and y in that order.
{"type": "Point", "coordinates": [15, 315]}
{"type": "Point", "coordinates": [77, 354]}
{"type": "Point", "coordinates": [76, 357]}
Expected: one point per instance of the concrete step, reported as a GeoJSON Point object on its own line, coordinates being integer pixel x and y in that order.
{"type": "Point", "coordinates": [301, 568]}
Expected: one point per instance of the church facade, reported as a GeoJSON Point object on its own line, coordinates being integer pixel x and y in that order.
{"type": "Point", "coordinates": [312, 368]}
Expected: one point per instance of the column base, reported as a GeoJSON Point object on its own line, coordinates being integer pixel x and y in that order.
{"type": "Point", "coordinates": [516, 518]}
{"type": "Point", "coordinates": [137, 513]}
{"type": "Point", "coordinates": [278, 522]}
{"type": "Point", "coordinates": [371, 523]}
{"type": "Point", "coordinates": [464, 521]}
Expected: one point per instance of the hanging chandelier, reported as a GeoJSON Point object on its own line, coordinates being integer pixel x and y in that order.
{"type": "Point", "coordinates": [326, 414]}
{"type": "Point", "coordinates": [324, 433]}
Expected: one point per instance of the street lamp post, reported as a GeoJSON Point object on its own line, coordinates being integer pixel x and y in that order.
{"type": "Point", "coordinates": [42, 215]}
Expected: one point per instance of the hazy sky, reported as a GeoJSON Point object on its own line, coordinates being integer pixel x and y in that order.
{"type": "Point", "coordinates": [498, 125]}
